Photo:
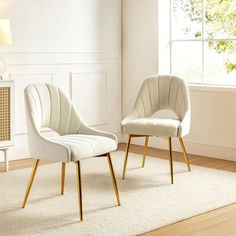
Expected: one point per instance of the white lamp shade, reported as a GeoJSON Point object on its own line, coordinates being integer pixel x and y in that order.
{"type": "Point", "coordinates": [5, 32]}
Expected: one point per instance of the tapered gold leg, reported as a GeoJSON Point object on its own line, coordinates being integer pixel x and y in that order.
{"type": "Point", "coordinates": [185, 153]}
{"type": "Point", "coordinates": [145, 151]}
{"type": "Point", "coordinates": [113, 179]}
{"type": "Point", "coordinates": [171, 161]}
{"type": "Point", "coordinates": [63, 171]}
{"type": "Point", "coordinates": [30, 182]}
{"type": "Point", "coordinates": [79, 188]}
{"type": "Point", "coordinates": [126, 156]}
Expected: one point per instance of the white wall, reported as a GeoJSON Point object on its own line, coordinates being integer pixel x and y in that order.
{"type": "Point", "coordinates": [72, 43]}
{"type": "Point", "coordinates": [213, 110]}
{"type": "Point", "coordinates": [139, 47]}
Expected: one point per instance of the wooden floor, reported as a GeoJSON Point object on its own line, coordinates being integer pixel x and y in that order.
{"type": "Point", "coordinates": [220, 222]}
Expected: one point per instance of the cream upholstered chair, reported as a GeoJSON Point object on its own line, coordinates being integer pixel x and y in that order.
{"type": "Point", "coordinates": [159, 93]}
{"type": "Point", "coordinates": [48, 106]}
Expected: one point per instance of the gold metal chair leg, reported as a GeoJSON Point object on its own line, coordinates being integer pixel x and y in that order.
{"type": "Point", "coordinates": [30, 182]}
{"type": "Point", "coordinates": [113, 179]}
{"type": "Point", "coordinates": [79, 188]}
{"type": "Point", "coordinates": [63, 171]}
{"type": "Point", "coordinates": [185, 153]}
{"type": "Point", "coordinates": [171, 161]}
{"type": "Point", "coordinates": [126, 156]}
{"type": "Point", "coordinates": [145, 151]}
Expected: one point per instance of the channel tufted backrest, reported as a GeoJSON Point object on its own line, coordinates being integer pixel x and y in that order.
{"type": "Point", "coordinates": [49, 107]}
{"type": "Point", "coordinates": [162, 92]}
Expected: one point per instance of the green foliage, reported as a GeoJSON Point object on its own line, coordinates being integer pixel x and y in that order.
{"type": "Point", "coordinates": [221, 18]}
{"type": "Point", "coordinates": [220, 22]}
{"type": "Point", "coordinates": [222, 46]}
{"type": "Point", "coordinates": [198, 34]}
{"type": "Point", "coordinates": [230, 67]}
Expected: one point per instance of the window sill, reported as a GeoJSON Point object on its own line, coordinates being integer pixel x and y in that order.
{"type": "Point", "coordinates": [212, 88]}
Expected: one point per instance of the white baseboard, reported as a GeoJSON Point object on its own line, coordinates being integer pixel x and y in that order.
{"type": "Point", "coordinates": [217, 152]}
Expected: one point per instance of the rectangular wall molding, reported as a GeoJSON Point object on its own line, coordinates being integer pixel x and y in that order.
{"type": "Point", "coordinates": [88, 91]}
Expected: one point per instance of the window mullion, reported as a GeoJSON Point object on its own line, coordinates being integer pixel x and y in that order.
{"type": "Point", "coordinates": [203, 41]}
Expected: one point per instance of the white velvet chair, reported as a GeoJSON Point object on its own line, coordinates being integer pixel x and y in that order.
{"type": "Point", "coordinates": [48, 106]}
{"type": "Point", "coordinates": [156, 94]}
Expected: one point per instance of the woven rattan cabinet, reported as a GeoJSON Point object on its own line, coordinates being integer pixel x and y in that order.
{"type": "Point", "coordinates": [6, 117]}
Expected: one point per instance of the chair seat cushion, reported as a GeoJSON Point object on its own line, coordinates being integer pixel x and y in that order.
{"type": "Point", "coordinates": [152, 126]}
{"type": "Point", "coordinates": [85, 146]}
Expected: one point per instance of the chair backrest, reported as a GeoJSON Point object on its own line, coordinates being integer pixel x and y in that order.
{"type": "Point", "coordinates": [162, 92]}
{"type": "Point", "coordinates": [48, 106]}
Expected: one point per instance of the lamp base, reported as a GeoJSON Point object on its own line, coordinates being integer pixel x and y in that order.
{"type": "Point", "coordinates": [2, 67]}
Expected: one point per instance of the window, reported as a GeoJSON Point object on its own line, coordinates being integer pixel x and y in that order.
{"type": "Point", "coordinates": [197, 40]}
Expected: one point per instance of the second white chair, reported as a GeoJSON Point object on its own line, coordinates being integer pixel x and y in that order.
{"type": "Point", "coordinates": [156, 94]}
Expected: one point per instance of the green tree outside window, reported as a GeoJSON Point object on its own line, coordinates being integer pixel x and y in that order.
{"type": "Point", "coordinates": [220, 24]}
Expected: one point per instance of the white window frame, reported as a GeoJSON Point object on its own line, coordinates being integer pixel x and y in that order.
{"type": "Point", "coordinates": [202, 40]}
